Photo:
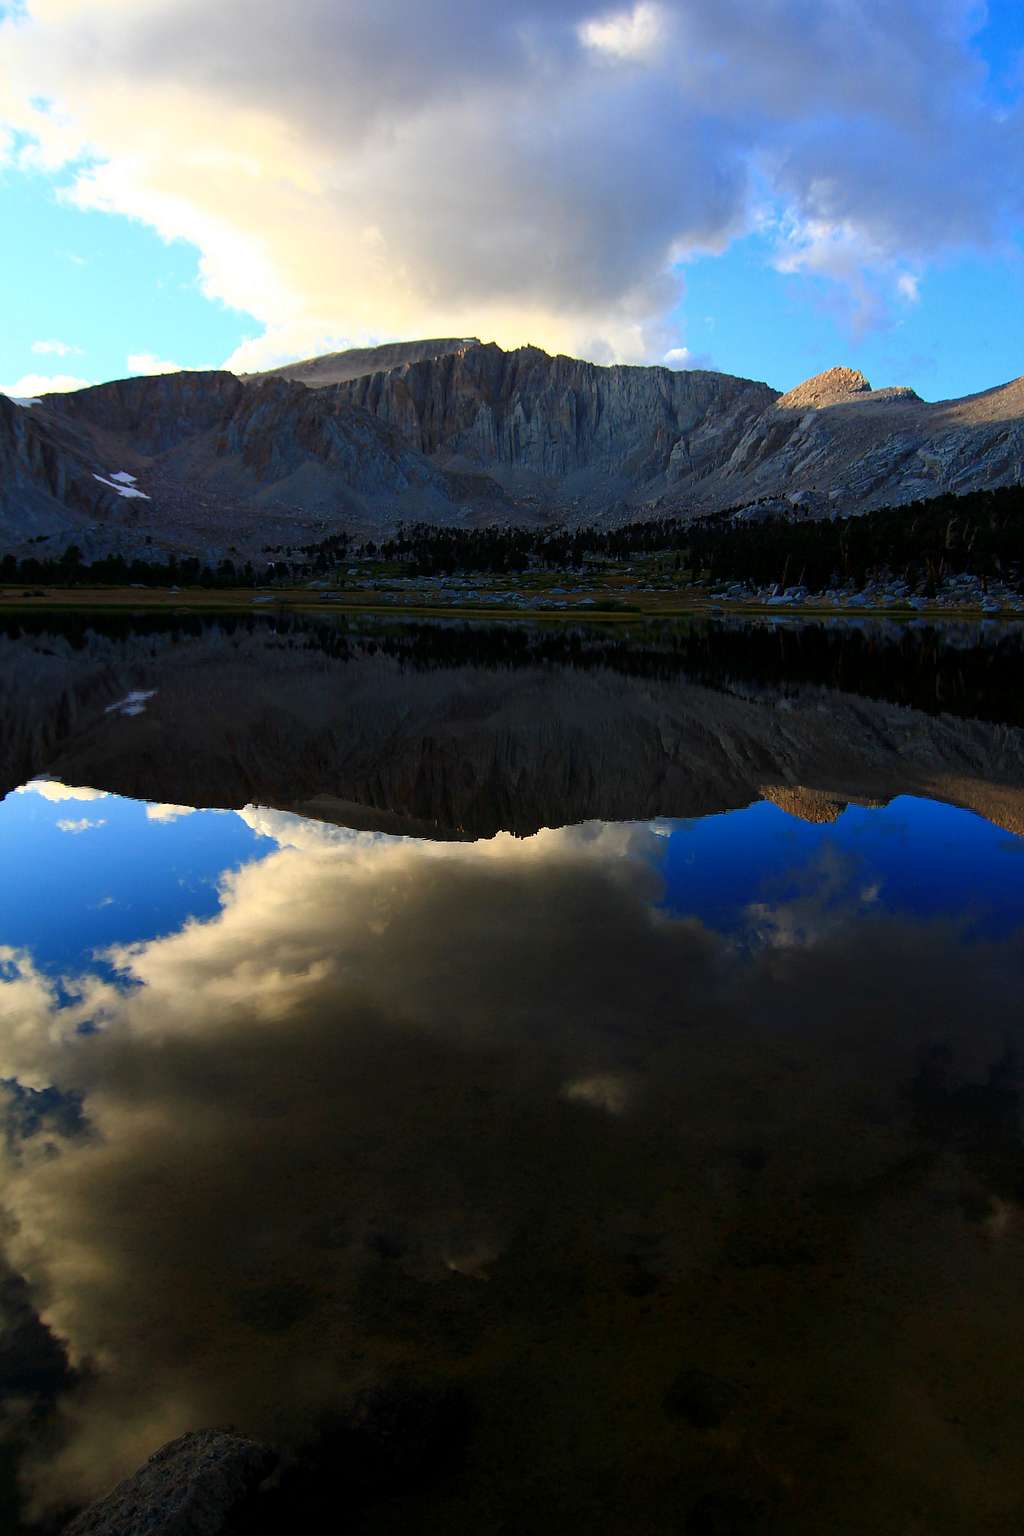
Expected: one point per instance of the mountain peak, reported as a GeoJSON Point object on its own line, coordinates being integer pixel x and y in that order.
{"type": "Point", "coordinates": [828, 388]}
{"type": "Point", "coordinates": [341, 367]}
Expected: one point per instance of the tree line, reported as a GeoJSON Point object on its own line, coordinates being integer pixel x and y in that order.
{"type": "Point", "coordinates": [980, 533]}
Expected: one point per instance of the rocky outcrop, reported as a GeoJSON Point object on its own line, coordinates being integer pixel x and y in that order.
{"type": "Point", "coordinates": [827, 388]}
{"type": "Point", "coordinates": [192, 1486]}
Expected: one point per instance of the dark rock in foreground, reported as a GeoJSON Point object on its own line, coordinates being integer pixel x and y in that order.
{"type": "Point", "coordinates": [190, 1487]}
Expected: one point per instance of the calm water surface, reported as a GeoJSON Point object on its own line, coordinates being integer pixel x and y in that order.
{"type": "Point", "coordinates": [616, 1035]}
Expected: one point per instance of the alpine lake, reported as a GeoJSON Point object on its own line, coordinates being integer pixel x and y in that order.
{"type": "Point", "coordinates": [536, 1078]}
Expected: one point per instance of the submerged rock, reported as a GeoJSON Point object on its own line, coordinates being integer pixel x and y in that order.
{"type": "Point", "coordinates": [192, 1486]}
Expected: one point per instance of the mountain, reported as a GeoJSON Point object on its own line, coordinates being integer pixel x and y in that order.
{"type": "Point", "coordinates": [459, 432]}
{"type": "Point", "coordinates": [208, 464]}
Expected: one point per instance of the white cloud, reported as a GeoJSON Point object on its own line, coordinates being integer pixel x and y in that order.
{"type": "Point", "coordinates": [168, 812]}
{"type": "Point", "coordinates": [864, 273]}
{"type": "Point", "coordinates": [525, 171]}
{"type": "Point", "coordinates": [31, 384]}
{"type": "Point", "coordinates": [909, 287]}
{"type": "Point", "coordinates": [84, 825]}
{"type": "Point", "coordinates": [148, 362]}
{"type": "Point", "coordinates": [56, 348]}
{"type": "Point", "coordinates": [629, 34]}
{"type": "Point", "coordinates": [57, 793]}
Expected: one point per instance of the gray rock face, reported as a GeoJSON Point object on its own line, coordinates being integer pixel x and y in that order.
{"type": "Point", "coordinates": [455, 432]}
{"type": "Point", "coordinates": [690, 442]}
{"type": "Point", "coordinates": [557, 416]}
{"type": "Point", "coordinates": [153, 413]}
{"type": "Point", "coordinates": [854, 449]}
{"type": "Point", "coordinates": [45, 474]}
{"type": "Point", "coordinates": [190, 1487]}
{"type": "Point", "coordinates": [218, 466]}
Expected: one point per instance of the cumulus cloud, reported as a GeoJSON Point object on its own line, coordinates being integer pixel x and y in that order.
{"type": "Point", "coordinates": [84, 824]}
{"type": "Point", "coordinates": [149, 362]}
{"type": "Point", "coordinates": [156, 812]}
{"type": "Point", "coordinates": [682, 357]}
{"type": "Point", "coordinates": [628, 34]}
{"type": "Point", "coordinates": [33, 384]}
{"type": "Point", "coordinates": [527, 173]}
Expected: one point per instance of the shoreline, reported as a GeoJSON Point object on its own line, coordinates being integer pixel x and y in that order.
{"type": "Point", "coordinates": [362, 601]}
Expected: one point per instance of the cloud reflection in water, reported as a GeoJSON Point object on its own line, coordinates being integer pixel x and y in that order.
{"type": "Point", "coordinates": [494, 1111]}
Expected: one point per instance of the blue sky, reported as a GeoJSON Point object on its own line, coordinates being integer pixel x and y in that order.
{"type": "Point", "coordinates": [848, 187]}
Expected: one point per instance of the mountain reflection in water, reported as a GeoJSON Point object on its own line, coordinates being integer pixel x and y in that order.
{"type": "Point", "coordinates": [689, 1150]}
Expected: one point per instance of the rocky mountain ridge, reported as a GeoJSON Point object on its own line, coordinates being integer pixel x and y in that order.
{"type": "Point", "coordinates": [339, 367]}
{"type": "Point", "coordinates": [462, 432]}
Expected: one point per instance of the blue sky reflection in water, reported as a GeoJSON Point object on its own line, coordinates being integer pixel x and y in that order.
{"type": "Point", "coordinates": [125, 870]}
{"type": "Point", "coordinates": [912, 856]}
{"type": "Point", "coordinates": [129, 871]}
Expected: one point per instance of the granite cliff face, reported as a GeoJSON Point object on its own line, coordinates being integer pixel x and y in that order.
{"type": "Point", "coordinates": [562, 419]}
{"type": "Point", "coordinates": [457, 432]}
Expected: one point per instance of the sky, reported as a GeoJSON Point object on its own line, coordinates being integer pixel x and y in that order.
{"type": "Point", "coordinates": [766, 187]}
